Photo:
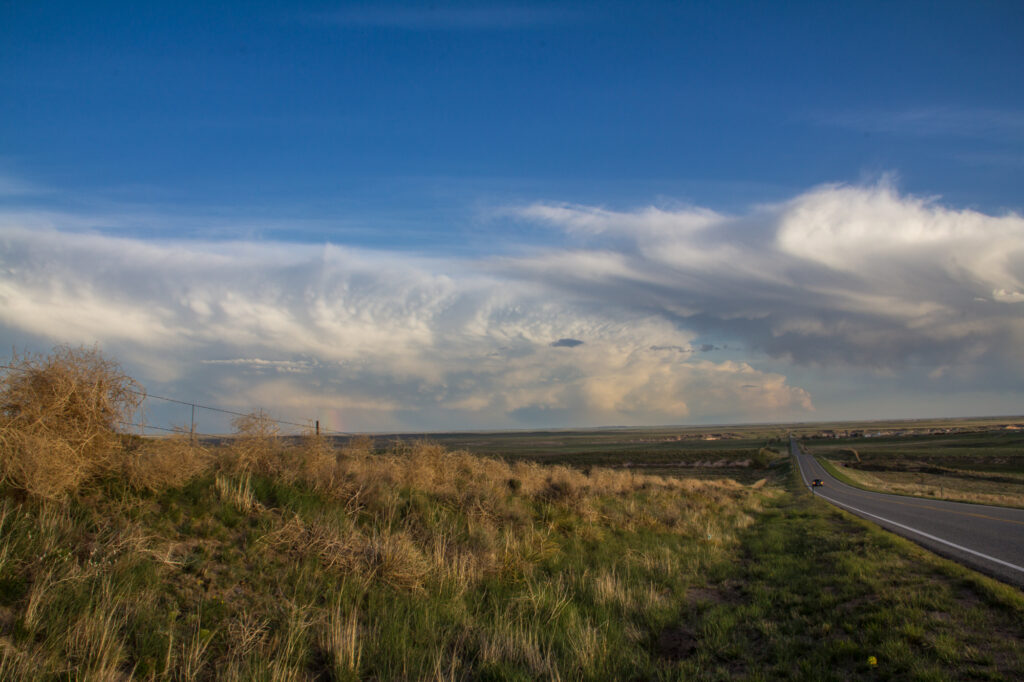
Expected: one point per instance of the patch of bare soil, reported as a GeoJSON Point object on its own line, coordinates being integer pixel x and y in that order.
{"type": "Point", "coordinates": [676, 643]}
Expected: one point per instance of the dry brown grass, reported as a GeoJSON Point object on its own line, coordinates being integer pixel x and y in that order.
{"type": "Point", "coordinates": [496, 531]}
{"type": "Point", "coordinates": [237, 492]}
{"type": "Point", "coordinates": [415, 522]}
{"type": "Point", "coordinates": [341, 639]}
{"type": "Point", "coordinates": [336, 548]}
{"type": "Point", "coordinates": [58, 418]}
{"type": "Point", "coordinates": [94, 641]}
{"type": "Point", "coordinates": [257, 446]}
{"type": "Point", "coordinates": [972, 487]}
{"type": "Point", "coordinates": [315, 461]}
{"type": "Point", "coordinates": [160, 463]}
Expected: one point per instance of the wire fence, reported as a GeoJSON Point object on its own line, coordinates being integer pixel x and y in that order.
{"type": "Point", "coordinates": [313, 425]}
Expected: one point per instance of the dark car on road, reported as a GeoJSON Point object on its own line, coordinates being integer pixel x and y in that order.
{"type": "Point", "coordinates": [817, 483]}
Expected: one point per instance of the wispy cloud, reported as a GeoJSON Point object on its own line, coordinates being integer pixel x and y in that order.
{"type": "Point", "coordinates": [392, 340]}
{"type": "Point", "coordinates": [859, 276]}
{"type": "Point", "coordinates": [259, 364]}
{"type": "Point", "coordinates": [623, 327]}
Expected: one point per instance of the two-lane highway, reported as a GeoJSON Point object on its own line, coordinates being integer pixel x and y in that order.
{"type": "Point", "coordinates": [989, 539]}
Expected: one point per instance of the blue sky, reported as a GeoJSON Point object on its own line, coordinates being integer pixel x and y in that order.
{"type": "Point", "coordinates": [387, 212]}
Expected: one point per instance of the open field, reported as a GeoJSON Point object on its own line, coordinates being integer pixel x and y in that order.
{"type": "Point", "coordinates": [426, 564]}
{"type": "Point", "coordinates": [311, 559]}
{"type": "Point", "coordinates": [670, 445]}
{"type": "Point", "coordinates": [612, 447]}
{"type": "Point", "coordinates": [984, 467]}
{"type": "Point", "coordinates": [412, 564]}
{"type": "Point", "coordinates": [744, 454]}
{"type": "Point", "coordinates": [906, 427]}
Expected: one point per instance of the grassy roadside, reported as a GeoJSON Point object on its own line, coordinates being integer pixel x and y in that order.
{"type": "Point", "coordinates": [839, 474]}
{"type": "Point", "coordinates": [814, 592]}
{"type": "Point", "coordinates": [268, 559]}
{"type": "Point", "coordinates": [983, 467]}
{"type": "Point", "coordinates": [924, 486]}
{"type": "Point", "coordinates": [253, 577]}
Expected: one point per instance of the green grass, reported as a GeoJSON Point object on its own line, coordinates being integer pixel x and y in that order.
{"type": "Point", "coordinates": [270, 559]}
{"type": "Point", "coordinates": [980, 467]}
{"type": "Point", "coordinates": [647, 447]}
{"type": "Point", "coordinates": [264, 579]}
{"type": "Point", "coordinates": [253, 577]}
{"type": "Point", "coordinates": [838, 473]}
{"type": "Point", "coordinates": [815, 592]}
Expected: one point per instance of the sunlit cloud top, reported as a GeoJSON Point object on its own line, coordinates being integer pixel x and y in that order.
{"type": "Point", "coordinates": [856, 277]}
{"type": "Point", "coordinates": [489, 214]}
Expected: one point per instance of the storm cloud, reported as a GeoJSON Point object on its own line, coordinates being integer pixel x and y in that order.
{"type": "Point", "coordinates": [679, 309]}
{"type": "Point", "coordinates": [379, 340]}
{"type": "Point", "coordinates": [854, 276]}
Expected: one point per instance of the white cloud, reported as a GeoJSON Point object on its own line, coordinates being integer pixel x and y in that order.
{"type": "Point", "coordinates": [861, 276]}
{"type": "Point", "coordinates": [650, 221]}
{"type": "Point", "coordinates": [857, 277]}
{"type": "Point", "coordinates": [390, 340]}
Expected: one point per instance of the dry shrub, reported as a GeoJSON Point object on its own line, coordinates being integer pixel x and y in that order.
{"type": "Point", "coordinates": [58, 418]}
{"type": "Point", "coordinates": [394, 558]}
{"type": "Point", "coordinates": [337, 548]}
{"type": "Point", "coordinates": [391, 557]}
{"type": "Point", "coordinates": [257, 445]}
{"type": "Point", "coordinates": [359, 446]}
{"type": "Point", "coordinates": [165, 462]}
{"type": "Point", "coordinates": [317, 461]}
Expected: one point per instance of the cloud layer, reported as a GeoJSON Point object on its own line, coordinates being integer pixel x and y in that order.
{"type": "Point", "coordinates": [613, 329]}
{"type": "Point", "coordinates": [387, 340]}
{"type": "Point", "coordinates": [856, 276]}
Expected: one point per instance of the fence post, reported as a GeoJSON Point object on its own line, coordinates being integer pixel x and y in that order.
{"type": "Point", "coordinates": [192, 431]}
{"type": "Point", "coordinates": [318, 427]}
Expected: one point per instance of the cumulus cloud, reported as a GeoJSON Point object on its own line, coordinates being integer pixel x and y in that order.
{"type": "Point", "coordinates": [385, 340]}
{"type": "Point", "coordinates": [856, 276]}
{"type": "Point", "coordinates": [651, 316]}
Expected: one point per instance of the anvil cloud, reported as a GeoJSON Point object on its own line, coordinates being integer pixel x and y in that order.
{"type": "Point", "coordinates": [855, 277]}
{"type": "Point", "coordinates": [858, 276]}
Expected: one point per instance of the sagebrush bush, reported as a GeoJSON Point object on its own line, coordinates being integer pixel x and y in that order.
{"type": "Point", "coordinates": [59, 416]}
{"type": "Point", "coordinates": [314, 461]}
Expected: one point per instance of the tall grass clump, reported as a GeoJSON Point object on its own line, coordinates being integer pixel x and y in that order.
{"type": "Point", "coordinates": [58, 418]}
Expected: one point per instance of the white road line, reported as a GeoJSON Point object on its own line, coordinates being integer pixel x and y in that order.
{"type": "Point", "coordinates": [927, 535]}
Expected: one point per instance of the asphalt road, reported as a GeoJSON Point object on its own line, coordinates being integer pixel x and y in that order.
{"type": "Point", "coordinates": [988, 539]}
